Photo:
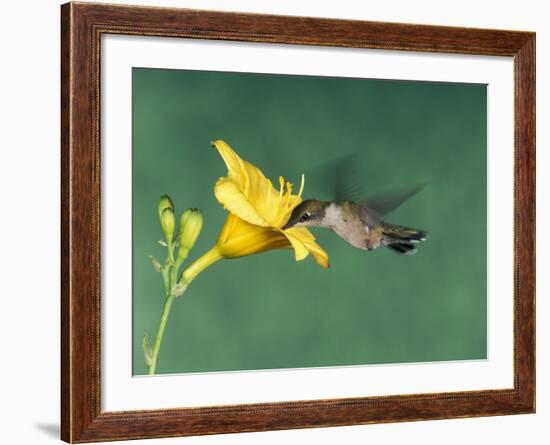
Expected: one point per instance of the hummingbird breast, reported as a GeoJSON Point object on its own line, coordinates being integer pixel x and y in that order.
{"type": "Point", "coordinates": [345, 219]}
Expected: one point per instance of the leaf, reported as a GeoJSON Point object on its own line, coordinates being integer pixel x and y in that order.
{"type": "Point", "coordinates": [156, 263]}
{"type": "Point", "coordinates": [179, 289]}
{"type": "Point", "coordinates": [147, 350]}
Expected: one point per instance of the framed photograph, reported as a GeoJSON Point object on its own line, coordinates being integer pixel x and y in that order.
{"type": "Point", "coordinates": [275, 222]}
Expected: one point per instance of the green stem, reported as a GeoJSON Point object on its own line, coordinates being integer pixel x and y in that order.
{"type": "Point", "coordinates": [170, 248]}
{"type": "Point", "coordinates": [165, 272]}
{"type": "Point", "coordinates": [188, 275]}
{"type": "Point", "coordinates": [175, 270]}
{"type": "Point", "coordinates": [160, 333]}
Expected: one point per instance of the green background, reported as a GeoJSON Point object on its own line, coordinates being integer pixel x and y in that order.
{"type": "Point", "coordinates": [268, 311]}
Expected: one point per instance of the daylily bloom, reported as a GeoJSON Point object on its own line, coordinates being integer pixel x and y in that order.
{"type": "Point", "coordinates": [257, 213]}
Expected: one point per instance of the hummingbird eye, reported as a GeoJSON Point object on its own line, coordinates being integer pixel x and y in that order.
{"type": "Point", "coordinates": [304, 217]}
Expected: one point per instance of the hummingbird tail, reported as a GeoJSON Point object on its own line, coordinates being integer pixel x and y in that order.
{"type": "Point", "coordinates": [402, 239]}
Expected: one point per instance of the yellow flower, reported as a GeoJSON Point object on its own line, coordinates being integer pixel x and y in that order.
{"type": "Point", "coordinates": [257, 212]}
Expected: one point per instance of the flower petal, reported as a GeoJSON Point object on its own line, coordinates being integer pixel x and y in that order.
{"type": "Point", "coordinates": [300, 250]}
{"type": "Point", "coordinates": [248, 239]}
{"type": "Point", "coordinates": [321, 257]}
{"type": "Point", "coordinates": [233, 200]}
{"type": "Point", "coordinates": [271, 207]}
{"type": "Point", "coordinates": [234, 164]}
{"type": "Point", "coordinates": [308, 240]}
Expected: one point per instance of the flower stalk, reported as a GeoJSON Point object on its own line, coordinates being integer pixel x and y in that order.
{"type": "Point", "coordinates": [257, 213]}
{"type": "Point", "coordinates": [160, 333]}
{"type": "Point", "coordinates": [188, 275]}
{"type": "Point", "coordinates": [190, 227]}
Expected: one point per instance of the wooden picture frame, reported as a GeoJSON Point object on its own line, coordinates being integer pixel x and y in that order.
{"type": "Point", "coordinates": [82, 25]}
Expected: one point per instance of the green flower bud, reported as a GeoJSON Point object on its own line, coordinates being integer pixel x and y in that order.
{"type": "Point", "coordinates": [191, 222]}
{"type": "Point", "coordinates": [165, 203]}
{"type": "Point", "coordinates": [168, 224]}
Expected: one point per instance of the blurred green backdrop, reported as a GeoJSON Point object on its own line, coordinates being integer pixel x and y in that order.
{"type": "Point", "coordinates": [268, 311]}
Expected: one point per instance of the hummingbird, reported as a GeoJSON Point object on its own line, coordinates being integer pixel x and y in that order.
{"type": "Point", "coordinates": [359, 222]}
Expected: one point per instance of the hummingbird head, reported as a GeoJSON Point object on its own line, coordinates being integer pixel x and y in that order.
{"type": "Point", "coordinates": [309, 213]}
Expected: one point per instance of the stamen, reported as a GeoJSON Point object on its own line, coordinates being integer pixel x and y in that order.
{"type": "Point", "coordinates": [281, 185]}
{"type": "Point", "coordinates": [302, 183]}
{"type": "Point", "coordinates": [288, 193]}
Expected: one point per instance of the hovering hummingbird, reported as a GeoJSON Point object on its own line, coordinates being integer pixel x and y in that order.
{"type": "Point", "coordinates": [360, 223]}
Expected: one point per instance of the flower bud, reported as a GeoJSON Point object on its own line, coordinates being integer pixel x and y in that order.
{"type": "Point", "coordinates": [168, 224]}
{"type": "Point", "coordinates": [167, 221]}
{"type": "Point", "coordinates": [190, 228]}
{"type": "Point", "coordinates": [165, 203]}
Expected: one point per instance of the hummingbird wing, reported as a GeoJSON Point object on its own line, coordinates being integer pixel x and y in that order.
{"type": "Point", "coordinates": [370, 217]}
{"type": "Point", "coordinates": [386, 202]}
{"type": "Point", "coordinates": [343, 178]}
{"type": "Point", "coordinates": [338, 179]}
